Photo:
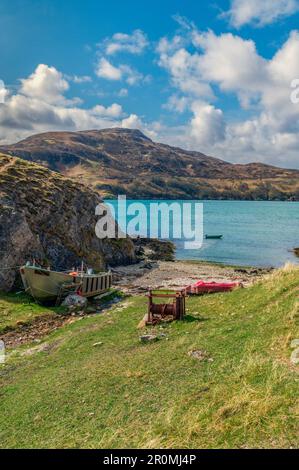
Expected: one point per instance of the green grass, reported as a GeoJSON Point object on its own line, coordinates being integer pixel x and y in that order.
{"type": "Point", "coordinates": [217, 263]}
{"type": "Point", "coordinates": [15, 308]}
{"type": "Point", "coordinates": [123, 394]}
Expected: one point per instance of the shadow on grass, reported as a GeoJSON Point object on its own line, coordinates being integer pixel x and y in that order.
{"type": "Point", "coordinates": [22, 299]}
{"type": "Point", "coordinates": [191, 319]}
{"type": "Point", "coordinates": [17, 297]}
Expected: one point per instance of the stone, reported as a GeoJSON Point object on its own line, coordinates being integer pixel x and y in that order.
{"type": "Point", "coordinates": [74, 302]}
{"type": "Point", "coordinates": [200, 355]}
{"type": "Point", "coordinates": [295, 357]}
{"type": "Point", "coordinates": [148, 338]}
{"type": "Point", "coordinates": [90, 309]}
{"type": "Point", "coordinates": [148, 265]}
{"type": "Point", "coordinates": [294, 344]}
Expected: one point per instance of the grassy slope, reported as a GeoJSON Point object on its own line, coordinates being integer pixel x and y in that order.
{"type": "Point", "coordinates": [125, 394]}
{"type": "Point", "coordinates": [150, 186]}
{"type": "Point", "coordinates": [20, 308]}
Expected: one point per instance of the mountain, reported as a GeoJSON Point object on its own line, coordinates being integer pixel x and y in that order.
{"type": "Point", "coordinates": [45, 216]}
{"type": "Point", "coordinates": [123, 161]}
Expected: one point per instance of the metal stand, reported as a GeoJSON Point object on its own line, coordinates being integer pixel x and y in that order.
{"type": "Point", "coordinates": [174, 310]}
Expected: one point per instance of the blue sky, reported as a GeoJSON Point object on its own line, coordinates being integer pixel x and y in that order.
{"type": "Point", "coordinates": [211, 76]}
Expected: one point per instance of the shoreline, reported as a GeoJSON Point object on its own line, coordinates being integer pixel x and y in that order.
{"type": "Point", "coordinates": [138, 278]}
{"type": "Point", "coordinates": [224, 265]}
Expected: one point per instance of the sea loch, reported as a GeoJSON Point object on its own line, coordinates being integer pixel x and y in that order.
{"type": "Point", "coordinates": [255, 233]}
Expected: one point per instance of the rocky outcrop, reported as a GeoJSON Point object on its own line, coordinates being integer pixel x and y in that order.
{"type": "Point", "coordinates": [154, 249]}
{"type": "Point", "coordinates": [45, 216]}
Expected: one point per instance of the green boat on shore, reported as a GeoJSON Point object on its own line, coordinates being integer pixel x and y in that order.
{"type": "Point", "coordinates": [45, 285]}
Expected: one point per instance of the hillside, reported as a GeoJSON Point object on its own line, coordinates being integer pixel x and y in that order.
{"type": "Point", "coordinates": [123, 161]}
{"type": "Point", "coordinates": [92, 384]}
{"type": "Point", "coordinates": [45, 216]}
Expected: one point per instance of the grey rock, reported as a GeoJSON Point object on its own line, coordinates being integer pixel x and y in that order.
{"type": "Point", "coordinates": [200, 355]}
{"type": "Point", "coordinates": [45, 216]}
{"type": "Point", "coordinates": [295, 357]}
{"type": "Point", "coordinates": [294, 344]}
{"type": "Point", "coordinates": [74, 300]}
{"type": "Point", "coordinates": [148, 338]}
{"type": "Point", "coordinates": [90, 309]}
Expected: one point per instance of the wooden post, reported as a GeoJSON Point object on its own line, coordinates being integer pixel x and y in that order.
{"type": "Point", "coordinates": [150, 299]}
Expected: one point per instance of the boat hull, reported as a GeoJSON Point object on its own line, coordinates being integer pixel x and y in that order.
{"type": "Point", "coordinates": [45, 285]}
{"type": "Point", "coordinates": [213, 237]}
{"type": "Point", "coordinates": [202, 287]}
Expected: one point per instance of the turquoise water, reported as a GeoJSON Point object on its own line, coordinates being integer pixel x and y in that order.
{"type": "Point", "coordinates": [255, 233]}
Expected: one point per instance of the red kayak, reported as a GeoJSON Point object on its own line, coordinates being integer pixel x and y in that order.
{"type": "Point", "coordinates": [202, 287]}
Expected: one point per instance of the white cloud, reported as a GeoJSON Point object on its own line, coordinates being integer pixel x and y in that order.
{"type": "Point", "coordinates": [134, 43]}
{"type": "Point", "coordinates": [207, 125]}
{"type": "Point", "coordinates": [81, 79]}
{"type": "Point", "coordinates": [184, 22]}
{"type": "Point", "coordinates": [184, 71]}
{"type": "Point", "coordinates": [231, 61]}
{"type": "Point", "coordinates": [132, 76]}
{"type": "Point", "coordinates": [263, 82]}
{"type": "Point", "coordinates": [177, 103]}
{"type": "Point", "coordinates": [260, 12]}
{"type": "Point", "coordinates": [167, 46]}
{"type": "Point", "coordinates": [3, 92]}
{"type": "Point", "coordinates": [108, 71]}
{"type": "Point", "coordinates": [152, 130]}
{"type": "Point", "coordinates": [285, 64]}
{"type": "Point", "coordinates": [46, 84]}
{"type": "Point", "coordinates": [30, 111]}
{"type": "Point", "coordinates": [123, 92]}
{"type": "Point", "coordinates": [199, 66]}
{"type": "Point", "coordinates": [132, 122]}
{"type": "Point", "coordinates": [115, 110]}
{"type": "Point", "coordinates": [233, 65]}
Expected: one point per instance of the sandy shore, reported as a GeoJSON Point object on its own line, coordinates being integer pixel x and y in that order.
{"type": "Point", "coordinates": [178, 274]}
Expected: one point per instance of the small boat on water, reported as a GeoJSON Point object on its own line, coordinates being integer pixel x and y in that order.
{"type": "Point", "coordinates": [47, 286]}
{"type": "Point", "coordinates": [213, 237]}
